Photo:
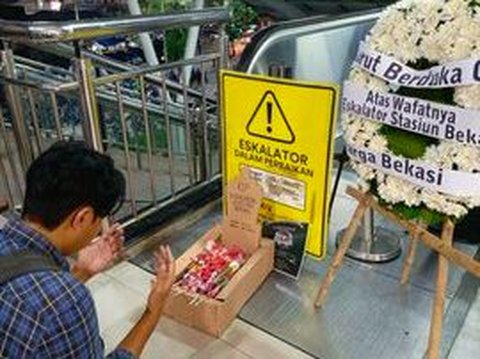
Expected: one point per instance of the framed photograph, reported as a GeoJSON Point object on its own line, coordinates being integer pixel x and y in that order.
{"type": "Point", "coordinates": [290, 240]}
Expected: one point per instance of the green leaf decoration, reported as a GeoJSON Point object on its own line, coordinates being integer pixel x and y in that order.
{"type": "Point", "coordinates": [406, 144]}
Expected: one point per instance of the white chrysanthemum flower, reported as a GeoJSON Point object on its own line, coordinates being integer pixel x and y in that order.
{"type": "Point", "coordinates": [365, 172]}
{"type": "Point", "coordinates": [431, 49]}
{"type": "Point", "coordinates": [378, 144]}
{"type": "Point", "coordinates": [371, 127]}
{"type": "Point", "coordinates": [468, 159]}
{"type": "Point", "coordinates": [438, 31]}
{"type": "Point", "coordinates": [428, 10]}
{"type": "Point", "coordinates": [441, 203]}
{"type": "Point", "coordinates": [395, 190]}
{"type": "Point", "coordinates": [471, 202]}
{"type": "Point", "coordinates": [455, 9]}
{"type": "Point", "coordinates": [468, 96]}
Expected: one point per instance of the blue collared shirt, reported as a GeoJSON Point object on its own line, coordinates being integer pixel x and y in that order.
{"type": "Point", "coordinates": [46, 314]}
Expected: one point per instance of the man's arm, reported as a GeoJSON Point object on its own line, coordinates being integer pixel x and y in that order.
{"type": "Point", "coordinates": [136, 339]}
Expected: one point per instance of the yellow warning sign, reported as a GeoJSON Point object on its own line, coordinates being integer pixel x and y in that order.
{"type": "Point", "coordinates": [283, 131]}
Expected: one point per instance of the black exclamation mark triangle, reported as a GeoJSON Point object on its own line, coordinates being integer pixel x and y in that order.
{"type": "Point", "coordinates": [269, 117]}
{"type": "Point", "coordinates": [276, 127]}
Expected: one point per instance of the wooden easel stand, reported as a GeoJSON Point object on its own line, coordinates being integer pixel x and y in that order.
{"type": "Point", "coordinates": [442, 245]}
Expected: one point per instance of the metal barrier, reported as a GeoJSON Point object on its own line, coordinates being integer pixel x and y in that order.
{"type": "Point", "coordinates": [162, 132]}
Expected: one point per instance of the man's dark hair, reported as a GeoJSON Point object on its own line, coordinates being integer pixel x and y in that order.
{"type": "Point", "coordinates": [67, 176]}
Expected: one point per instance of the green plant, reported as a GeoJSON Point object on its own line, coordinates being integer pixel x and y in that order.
{"type": "Point", "coordinates": [243, 16]}
{"type": "Point", "coordinates": [175, 39]}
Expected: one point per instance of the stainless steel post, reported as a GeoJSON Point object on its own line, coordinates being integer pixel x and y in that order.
{"type": "Point", "coordinates": [6, 184]}
{"type": "Point", "coordinates": [128, 162]}
{"type": "Point", "coordinates": [204, 123]}
{"type": "Point", "coordinates": [148, 137]}
{"type": "Point", "coordinates": [188, 132]}
{"type": "Point", "coordinates": [56, 115]}
{"type": "Point", "coordinates": [18, 180]}
{"type": "Point", "coordinates": [18, 121]}
{"type": "Point", "coordinates": [373, 244]}
{"type": "Point", "coordinates": [88, 103]}
{"type": "Point", "coordinates": [224, 41]}
{"type": "Point", "coordinates": [168, 129]}
{"type": "Point", "coordinates": [222, 63]}
{"type": "Point", "coordinates": [35, 122]}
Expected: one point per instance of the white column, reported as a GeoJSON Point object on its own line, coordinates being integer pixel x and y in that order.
{"type": "Point", "coordinates": [192, 41]}
{"type": "Point", "coordinates": [145, 39]}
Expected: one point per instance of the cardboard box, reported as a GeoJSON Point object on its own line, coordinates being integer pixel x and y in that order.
{"type": "Point", "coordinates": [213, 316]}
{"type": "Point", "coordinates": [240, 227]}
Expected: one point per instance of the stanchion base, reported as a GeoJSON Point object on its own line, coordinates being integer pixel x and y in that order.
{"type": "Point", "coordinates": [385, 246]}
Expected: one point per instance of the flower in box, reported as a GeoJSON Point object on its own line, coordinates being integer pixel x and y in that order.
{"type": "Point", "coordinates": [211, 270]}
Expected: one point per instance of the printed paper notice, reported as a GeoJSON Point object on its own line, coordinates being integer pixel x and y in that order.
{"type": "Point", "coordinates": [280, 189]}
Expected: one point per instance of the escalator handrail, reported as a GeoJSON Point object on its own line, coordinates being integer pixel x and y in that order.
{"type": "Point", "coordinates": [320, 22]}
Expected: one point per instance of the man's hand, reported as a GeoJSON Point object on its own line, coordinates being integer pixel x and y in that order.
{"type": "Point", "coordinates": [164, 279]}
{"type": "Point", "coordinates": [101, 253]}
{"type": "Point", "coordinates": [3, 204]}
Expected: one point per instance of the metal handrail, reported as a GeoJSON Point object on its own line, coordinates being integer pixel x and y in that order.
{"type": "Point", "coordinates": [67, 51]}
{"type": "Point", "coordinates": [48, 31]}
{"type": "Point", "coordinates": [65, 89]}
{"type": "Point", "coordinates": [142, 71]}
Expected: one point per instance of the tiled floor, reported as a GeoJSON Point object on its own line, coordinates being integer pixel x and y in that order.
{"type": "Point", "coordinates": [467, 344]}
{"type": "Point", "coordinates": [120, 296]}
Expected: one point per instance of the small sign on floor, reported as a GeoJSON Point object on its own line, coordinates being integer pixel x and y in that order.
{"type": "Point", "coordinates": [290, 240]}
